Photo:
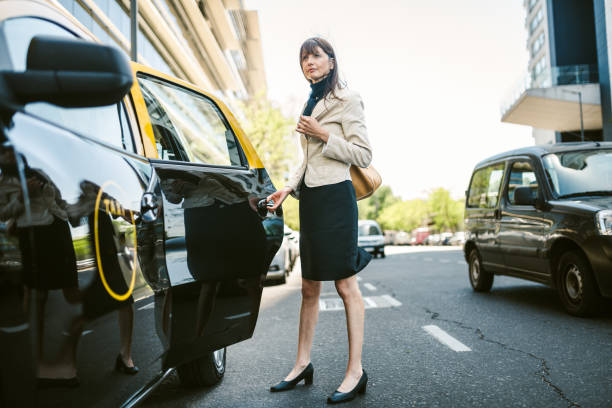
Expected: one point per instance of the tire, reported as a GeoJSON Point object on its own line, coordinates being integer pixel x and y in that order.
{"type": "Point", "coordinates": [480, 279]}
{"type": "Point", "coordinates": [576, 285]}
{"type": "Point", "coordinates": [204, 371]}
{"type": "Point", "coordinates": [382, 254]}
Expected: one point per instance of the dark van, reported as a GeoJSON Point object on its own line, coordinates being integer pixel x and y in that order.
{"type": "Point", "coordinates": [544, 213]}
{"type": "Point", "coordinates": [133, 239]}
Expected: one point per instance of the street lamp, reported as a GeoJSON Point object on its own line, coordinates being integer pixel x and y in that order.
{"type": "Point", "coordinates": [580, 104]}
{"type": "Point", "coordinates": [134, 29]}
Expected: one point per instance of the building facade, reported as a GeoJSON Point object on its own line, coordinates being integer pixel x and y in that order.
{"type": "Point", "coordinates": [566, 93]}
{"type": "Point", "coordinates": [214, 44]}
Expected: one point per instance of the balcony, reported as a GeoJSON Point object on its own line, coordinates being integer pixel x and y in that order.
{"type": "Point", "coordinates": [550, 99]}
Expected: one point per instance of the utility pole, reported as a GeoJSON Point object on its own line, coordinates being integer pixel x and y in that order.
{"type": "Point", "coordinates": [134, 30]}
{"type": "Point", "coordinates": [579, 93]}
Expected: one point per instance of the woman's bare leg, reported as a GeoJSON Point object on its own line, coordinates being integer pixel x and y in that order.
{"type": "Point", "coordinates": [348, 289]}
{"type": "Point", "coordinates": [309, 313]}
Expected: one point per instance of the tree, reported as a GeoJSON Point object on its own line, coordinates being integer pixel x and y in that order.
{"type": "Point", "coordinates": [404, 215]}
{"type": "Point", "coordinates": [445, 213]}
{"type": "Point", "coordinates": [371, 207]}
{"type": "Point", "coordinates": [271, 134]}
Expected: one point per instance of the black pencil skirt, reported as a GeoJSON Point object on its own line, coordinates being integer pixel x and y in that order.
{"type": "Point", "coordinates": [328, 232]}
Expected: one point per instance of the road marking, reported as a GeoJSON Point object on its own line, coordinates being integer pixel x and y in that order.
{"type": "Point", "coordinates": [461, 262]}
{"type": "Point", "coordinates": [370, 286]}
{"type": "Point", "coordinates": [428, 259]}
{"type": "Point", "coordinates": [444, 261]}
{"type": "Point", "coordinates": [149, 306]}
{"type": "Point", "coordinates": [446, 339]}
{"type": "Point", "coordinates": [369, 302]}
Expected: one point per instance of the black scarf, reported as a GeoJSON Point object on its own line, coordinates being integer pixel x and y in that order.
{"type": "Point", "coordinates": [316, 94]}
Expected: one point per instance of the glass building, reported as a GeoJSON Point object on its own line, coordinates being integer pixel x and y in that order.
{"type": "Point", "coordinates": [214, 44]}
{"type": "Point", "coordinates": [568, 72]}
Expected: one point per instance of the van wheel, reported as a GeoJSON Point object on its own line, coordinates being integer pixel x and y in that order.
{"type": "Point", "coordinates": [480, 279]}
{"type": "Point", "coordinates": [577, 288]}
{"type": "Point", "coordinates": [382, 253]}
{"type": "Point", "coordinates": [204, 371]}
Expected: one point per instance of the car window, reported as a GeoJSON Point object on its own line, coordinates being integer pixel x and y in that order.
{"type": "Point", "coordinates": [108, 124]}
{"type": "Point", "coordinates": [188, 126]}
{"type": "Point", "coordinates": [521, 175]}
{"type": "Point", "coordinates": [484, 188]}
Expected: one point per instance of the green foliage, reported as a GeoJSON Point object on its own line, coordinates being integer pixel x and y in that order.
{"type": "Point", "coordinates": [403, 215]}
{"type": "Point", "coordinates": [371, 207]}
{"type": "Point", "coordinates": [440, 212]}
{"type": "Point", "coordinates": [446, 213]}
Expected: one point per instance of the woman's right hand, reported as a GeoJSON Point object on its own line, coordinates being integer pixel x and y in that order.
{"type": "Point", "coordinates": [278, 197]}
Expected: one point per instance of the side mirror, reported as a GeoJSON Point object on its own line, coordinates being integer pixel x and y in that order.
{"type": "Point", "coordinates": [71, 73]}
{"type": "Point", "coordinates": [524, 196]}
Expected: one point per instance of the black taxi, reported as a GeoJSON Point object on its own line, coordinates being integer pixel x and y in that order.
{"type": "Point", "coordinates": [544, 213]}
{"type": "Point", "coordinates": [133, 238]}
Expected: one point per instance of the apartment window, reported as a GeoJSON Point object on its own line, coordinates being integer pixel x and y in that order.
{"type": "Point", "coordinates": [536, 20]}
{"type": "Point", "coordinates": [532, 4]}
{"type": "Point", "coordinates": [539, 67]}
{"type": "Point", "coordinates": [536, 46]}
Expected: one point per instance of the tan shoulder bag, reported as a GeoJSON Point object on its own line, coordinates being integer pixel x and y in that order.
{"type": "Point", "coordinates": [365, 181]}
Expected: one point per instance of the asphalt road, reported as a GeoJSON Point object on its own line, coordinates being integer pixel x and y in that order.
{"type": "Point", "coordinates": [523, 349]}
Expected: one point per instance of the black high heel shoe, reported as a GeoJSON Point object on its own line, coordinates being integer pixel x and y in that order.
{"type": "Point", "coordinates": [305, 375]}
{"type": "Point", "coordinates": [123, 368]}
{"type": "Point", "coordinates": [338, 397]}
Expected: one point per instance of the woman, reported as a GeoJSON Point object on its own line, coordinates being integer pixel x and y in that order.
{"type": "Point", "coordinates": [333, 136]}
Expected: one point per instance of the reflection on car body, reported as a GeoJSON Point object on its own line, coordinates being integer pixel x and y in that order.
{"type": "Point", "coordinates": [129, 228]}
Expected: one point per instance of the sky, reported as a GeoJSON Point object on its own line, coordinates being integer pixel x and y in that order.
{"type": "Point", "coordinates": [432, 75]}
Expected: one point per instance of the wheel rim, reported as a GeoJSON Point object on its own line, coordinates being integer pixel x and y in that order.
{"type": "Point", "coordinates": [573, 283]}
{"type": "Point", "coordinates": [219, 357]}
{"type": "Point", "coordinates": [475, 270]}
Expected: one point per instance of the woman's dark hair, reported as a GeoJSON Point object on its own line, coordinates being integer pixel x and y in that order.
{"type": "Point", "coordinates": [332, 80]}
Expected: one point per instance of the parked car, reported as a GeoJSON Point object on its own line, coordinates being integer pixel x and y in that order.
{"type": "Point", "coordinates": [433, 239]}
{"type": "Point", "coordinates": [371, 238]}
{"type": "Point", "coordinates": [445, 238]}
{"type": "Point", "coordinates": [130, 204]}
{"type": "Point", "coordinates": [293, 241]}
{"type": "Point", "coordinates": [458, 238]}
{"type": "Point", "coordinates": [283, 262]}
{"type": "Point", "coordinates": [544, 213]}
{"type": "Point", "coordinates": [419, 235]}
{"type": "Point", "coordinates": [402, 238]}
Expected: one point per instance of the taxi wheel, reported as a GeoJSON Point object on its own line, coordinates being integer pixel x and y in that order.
{"type": "Point", "coordinates": [577, 288]}
{"type": "Point", "coordinates": [480, 279]}
{"type": "Point", "coordinates": [204, 371]}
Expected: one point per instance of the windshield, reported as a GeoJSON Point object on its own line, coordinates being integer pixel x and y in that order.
{"type": "Point", "coordinates": [368, 229]}
{"type": "Point", "coordinates": [580, 172]}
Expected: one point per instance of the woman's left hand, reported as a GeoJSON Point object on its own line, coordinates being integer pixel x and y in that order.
{"type": "Point", "coordinates": [311, 127]}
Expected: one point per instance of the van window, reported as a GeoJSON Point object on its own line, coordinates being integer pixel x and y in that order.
{"type": "Point", "coordinates": [366, 230]}
{"type": "Point", "coordinates": [484, 188]}
{"type": "Point", "coordinates": [108, 124]}
{"type": "Point", "coordinates": [521, 175]}
{"type": "Point", "coordinates": [188, 126]}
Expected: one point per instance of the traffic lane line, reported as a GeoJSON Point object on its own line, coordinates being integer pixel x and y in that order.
{"type": "Point", "coordinates": [445, 338]}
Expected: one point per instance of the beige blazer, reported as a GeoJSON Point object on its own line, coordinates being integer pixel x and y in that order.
{"type": "Point", "coordinates": [329, 163]}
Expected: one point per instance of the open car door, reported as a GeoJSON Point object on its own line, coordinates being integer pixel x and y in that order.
{"type": "Point", "coordinates": [217, 243]}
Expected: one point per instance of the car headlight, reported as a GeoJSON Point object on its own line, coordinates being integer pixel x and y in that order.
{"type": "Point", "coordinates": [604, 222]}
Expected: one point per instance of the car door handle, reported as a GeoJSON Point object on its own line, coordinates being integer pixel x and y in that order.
{"type": "Point", "coordinates": [149, 207]}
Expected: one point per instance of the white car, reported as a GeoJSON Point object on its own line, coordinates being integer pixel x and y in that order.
{"type": "Point", "coordinates": [371, 237]}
